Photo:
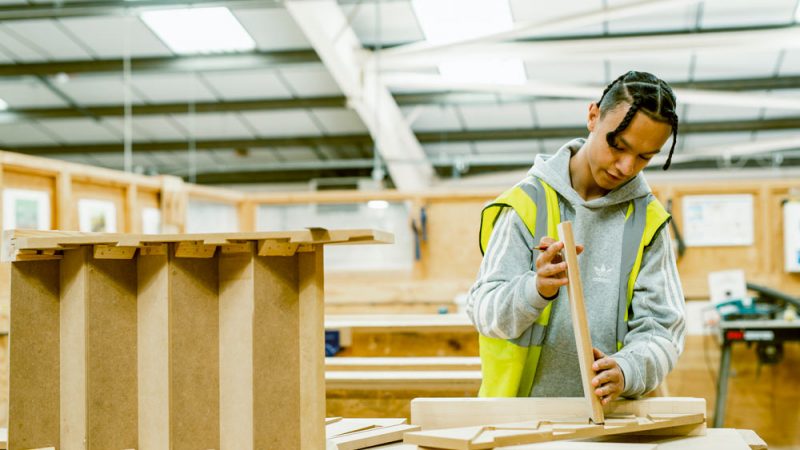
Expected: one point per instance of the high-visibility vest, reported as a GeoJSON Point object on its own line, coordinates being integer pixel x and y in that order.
{"type": "Point", "coordinates": [509, 365]}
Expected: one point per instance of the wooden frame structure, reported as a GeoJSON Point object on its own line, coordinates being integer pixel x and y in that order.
{"type": "Point", "coordinates": [169, 341]}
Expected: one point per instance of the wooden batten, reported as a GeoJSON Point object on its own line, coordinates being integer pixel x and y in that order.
{"type": "Point", "coordinates": [580, 324]}
{"type": "Point", "coordinates": [311, 348]}
{"type": "Point", "coordinates": [194, 249]}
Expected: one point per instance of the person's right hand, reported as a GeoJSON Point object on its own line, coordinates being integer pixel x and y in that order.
{"type": "Point", "coordinates": [551, 270]}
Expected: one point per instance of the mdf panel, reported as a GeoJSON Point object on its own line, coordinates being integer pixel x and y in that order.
{"type": "Point", "coordinates": [98, 352]}
{"type": "Point", "coordinates": [193, 353]}
{"type": "Point", "coordinates": [34, 356]}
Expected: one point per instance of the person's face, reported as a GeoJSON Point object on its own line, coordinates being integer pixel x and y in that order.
{"type": "Point", "coordinates": [611, 166]}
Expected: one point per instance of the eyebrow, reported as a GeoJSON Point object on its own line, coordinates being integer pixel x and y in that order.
{"type": "Point", "coordinates": [626, 144]}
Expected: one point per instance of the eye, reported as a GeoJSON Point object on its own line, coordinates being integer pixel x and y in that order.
{"type": "Point", "coordinates": [646, 158]}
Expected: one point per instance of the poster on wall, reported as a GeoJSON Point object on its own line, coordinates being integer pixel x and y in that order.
{"type": "Point", "coordinates": [97, 216]}
{"type": "Point", "coordinates": [151, 221]}
{"type": "Point", "coordinates": [791, 236]}
{"type": "Point", "coordinates": [26, 210]}
{"type": "Point", "coordinates": [718, 220]}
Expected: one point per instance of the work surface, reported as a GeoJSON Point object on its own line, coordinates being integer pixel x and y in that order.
{"type": "Point", "coordinates": [715, 439]}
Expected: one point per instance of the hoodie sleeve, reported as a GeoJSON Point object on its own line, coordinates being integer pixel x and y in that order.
{"type": "Point", "coordinates": [504, 300]}
{"type": "Point", "coordinates": [657, 327]}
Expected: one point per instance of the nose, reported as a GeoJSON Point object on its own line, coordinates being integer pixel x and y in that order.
{"type": "Point", "coordinates": [626, 164]}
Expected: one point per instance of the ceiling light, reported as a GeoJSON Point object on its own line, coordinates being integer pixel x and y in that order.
{"type": "Point", "coordinates": [199, 30]}
{"type": "Point", "coordinates": [3, 105]}
{"type": "Point", "coordinates": [445, 21]}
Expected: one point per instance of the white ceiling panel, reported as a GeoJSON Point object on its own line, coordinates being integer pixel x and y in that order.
{"type": "Point", "coordinates": [732, 13]}
{"type": "Point", "coordinates": [398, 22]}
{"type": "Point", "coordinates": [711, 113]}
{"type": "Point", "coordinates": [117, 160]}
{"type": "Point", "coordinates": [310, 81]}
{"type": "Point", "coordinates": [297, 154]}
{"type": "Point", "coordinates": [105, 36]}
{"type": "Point", "coordinates": [282, 123]}
{"type": "Point", "coordinates": [673, 19]}
{"type": "Point", "coordinates": [777, 134]}
{"type": "Point", "coordinates": [77, 158]}
{"type": "Point", "coordinates": [546, 11]}
{"type": "Point", "coordinates": [521, 147]}
{"type": "Point", "coordinates": [13, 2]}
{"type": "Point", "coordinates": [791, 62]}
{"type": "Point", "coordinates": [735, 64]}
{"type": "Point", "coordinates": [5, 56]}
{"type": "Point", "coordinates": [772, 113]}
{"type": "Point", "coordinates": [81, 131]}
{"type": "Point", "coordinates": [433, 118]}
{"type": "Point", "coordinates": [20, 51]}
{"type": "Point", "coordinates": [580, 72]}
{"type": "Point", "coordinates": [551, 146]}
{"type": "Point", "coordinates": [98, 90]}
{"type": "Point", "coordinates": [152, 128]}
{"type": "Point", "coordinates": [48, 36]}
{"type": "Point", "coordinates": [562, 113]}
{"type": "Point", "coordinates": [482, 117]}
{"type": "Point", "coordinates": [214, 125]}
{"type": "Point", "coordinates": [248, 84]}
{"type": "Point", "coordinates": [698, 142]}
{"type": "Point", "coordinates": [272, 28]}
{"type": "Point", "coordinates": [27, 92]}
{"type": "Point", "coordinates": [339, 121]}
{"type": "Point", "coordinates": [172, 87]}
{"type": "Point", "coordinates": [675, 68]}
{"type": "Point", "coordinates": [23, 133]}
{"type": "Point", "coordinates": [437, 149]}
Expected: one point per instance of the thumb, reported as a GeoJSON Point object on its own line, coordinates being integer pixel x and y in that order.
{"type": "Point", "coordinates": [579, 249]}
{"type": "Point", "coordinates": [598, 354]}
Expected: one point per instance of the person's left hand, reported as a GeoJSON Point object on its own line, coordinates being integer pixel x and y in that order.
{"type": "Point", "coordinates": [609, 381]}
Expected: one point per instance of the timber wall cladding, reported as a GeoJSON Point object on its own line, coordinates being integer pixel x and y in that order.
{"type": "Point", "coordinates": [180, 342]}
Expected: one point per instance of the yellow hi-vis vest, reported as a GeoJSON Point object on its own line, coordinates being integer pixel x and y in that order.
{"type": "Point", "coordinates": [509, 366]}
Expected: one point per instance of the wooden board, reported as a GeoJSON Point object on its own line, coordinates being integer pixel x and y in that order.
{"type": "Point", "coordinates": [435, 413]}
{"type": "Point", "coordinates": [492, 436]}
{"type": "Point", "coordinates": [406, 363]}
{"type": "Point", "coordinates": [439, 380]}
{"type": "Point", "coordinates": [369, 438]}
{"type": "Point", "coordinates": [580, 325]}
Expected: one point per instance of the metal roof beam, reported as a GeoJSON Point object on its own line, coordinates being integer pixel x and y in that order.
{"type": "Point", "coordinates": [61, 9]}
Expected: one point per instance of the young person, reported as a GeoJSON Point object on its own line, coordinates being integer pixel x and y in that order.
{"type": "Point", "coordinates": [633, 296]}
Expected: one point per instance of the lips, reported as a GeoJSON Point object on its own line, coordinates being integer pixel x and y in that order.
{"type": "Point", "coordinates": [614, 177]}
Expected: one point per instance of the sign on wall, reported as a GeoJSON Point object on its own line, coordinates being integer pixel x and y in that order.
{"type": "Point", "coordinates": [718, 220]}
{"type": "Point", "coordinates": [791, 236]}
{"type": "Point", "coordinates": [26, 210]}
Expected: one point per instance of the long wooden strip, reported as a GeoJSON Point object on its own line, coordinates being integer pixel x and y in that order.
{"type": "Point", "coordinates": [580, 325]}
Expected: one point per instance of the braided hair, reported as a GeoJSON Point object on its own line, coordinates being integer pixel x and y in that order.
{"type": "Point", "coordinates": [646, 93]}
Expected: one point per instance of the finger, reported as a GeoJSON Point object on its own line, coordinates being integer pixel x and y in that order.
{"type": "Point", "coordinates": [579, 249]}
{"type": "Point", "coordinates": [551, 283]}
{"type": "Point", "coordinates": [605, 363]}
{"type": "Point", "coordinates": [606, 376]}
{"type": "Point", "coordinates": [552, 269]}
{"type": "Point", "coordinates": [553, 250]}
{"type": "Point", "coordinates": [598, 354]}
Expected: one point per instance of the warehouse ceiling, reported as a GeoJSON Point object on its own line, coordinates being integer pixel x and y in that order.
{"type": "Point", "coordinates": [85, 80]}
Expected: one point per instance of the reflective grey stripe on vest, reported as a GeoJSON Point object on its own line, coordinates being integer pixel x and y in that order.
{"type": "Point", "coordinates": [534, 335]}
{"type": "Point", "coordinates": [631, 239]}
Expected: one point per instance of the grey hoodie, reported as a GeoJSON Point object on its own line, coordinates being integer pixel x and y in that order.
{"type": "Point", "coordinates": [504, 301]}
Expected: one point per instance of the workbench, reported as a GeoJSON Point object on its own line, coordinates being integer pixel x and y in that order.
{"type": "Point", "coordinates": [752, 331]}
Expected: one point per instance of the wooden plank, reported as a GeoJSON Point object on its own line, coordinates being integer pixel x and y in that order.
{"type": "Point", "coordinates": [580, 325]}
{"type": "Point", "coordinates": [492, 436]}
{"type": "Point", "coordinates": [237, 294]}
{"type": "Point", "coordinates": [154, 352]}
{"type": "Point", "coordinates": [434, 413]}
{"type": "Point", "coordinates": [34, 412]}
{"type": "Point", "coordinates": [194, 249]}
{"type": "Point", "coordinates": [404, 363]}
{"type": "Point", "coordinates": [752, 439]}
{"type": "Point", "coordinates": [193, 353]}
{"type": "Point", "coordinates": [404, 380]}
{"type": "Point", "coordinates": [370, 438]}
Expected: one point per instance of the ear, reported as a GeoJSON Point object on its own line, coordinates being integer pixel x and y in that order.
{"type": "Point", "coordinates": [594, 116]}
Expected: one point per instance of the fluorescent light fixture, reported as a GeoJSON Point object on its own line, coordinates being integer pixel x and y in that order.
{"type": "Point", "coordinates": [199, 30]}
{"type": "Point", "coordinates": [3, 105]}
{"type": "Point", "coordinates": [797, 13]}
{"type": "Point", "coordinates": [377, 204]}
{"type": "Point", "coordinates": [446, 21]}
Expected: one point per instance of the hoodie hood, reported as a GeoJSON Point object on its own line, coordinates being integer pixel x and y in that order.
{"type": "Point", "coordinates": [554, 170]}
